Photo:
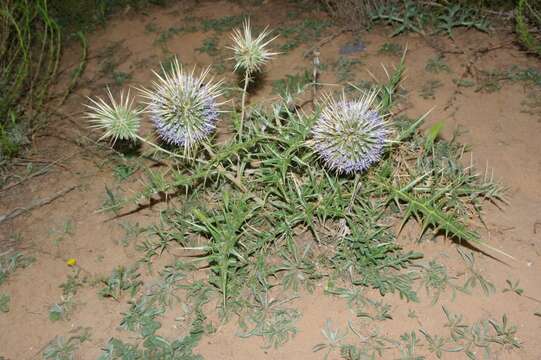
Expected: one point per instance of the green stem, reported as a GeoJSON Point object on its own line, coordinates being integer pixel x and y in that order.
{"type": "Point", "coordinates": [243, 102]}
{"type": "Point", "coordinates": [159, 148]}
{"type": "Point", "coordinates": [233, 179]}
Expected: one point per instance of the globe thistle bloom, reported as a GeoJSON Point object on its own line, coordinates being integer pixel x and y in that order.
{"type": "Point", "coordinates": [349, 136]}
{"type": "Point", "coordinates": [250, 53]}
{"type": "Point", "coordinates": [183, 106]}
{"type": "Point", "coordinates": [119, 120]}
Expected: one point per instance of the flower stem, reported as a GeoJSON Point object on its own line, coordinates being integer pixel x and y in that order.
{"type": "Point", "coordinates": [243, 102]}
{"type": "Point", "coordinates": [159, 148]}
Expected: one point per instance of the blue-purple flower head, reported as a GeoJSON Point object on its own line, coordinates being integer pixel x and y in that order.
{"type": "Point", "coordinates": [350, 135]}
{"type": "Point", "coordinates": [183, 106]}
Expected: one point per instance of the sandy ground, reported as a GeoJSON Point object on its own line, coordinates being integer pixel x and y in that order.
{"type": "Point", "coordinates": [503, 136]}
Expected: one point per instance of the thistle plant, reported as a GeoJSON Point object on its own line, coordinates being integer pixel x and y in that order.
{"type": "Point", "coordinates": [183, 106]}
{"type": "Point", "coordinates": [119, 120]}
{"type": "Point", "coordinates": [250, 54]}
{"type": "Point", "coordinates": [350, 135]}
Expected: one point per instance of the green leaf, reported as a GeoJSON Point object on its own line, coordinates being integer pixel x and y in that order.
{"type": "Point", "coordinates": [432, 134]}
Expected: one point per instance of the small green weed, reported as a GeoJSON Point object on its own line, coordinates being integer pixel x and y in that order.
{"type": "Point", "coordinates": [4, 302]}
{"type": "Point", "coordinates": [151, 27]}
{"type": "Point", "coordinates": [269, 318]}
{"type": "Point", "coordinates": [165, 35]}
{"type": "Point", "coordinates": [435, 279]}
{"type": "Point", "coordinates": [353, 296]}
{"type": "Point", "coordinates": [375, 311]}
{"type": "Point", "coordinates": [307, 31]}
{"type": "Point", "coordinates": [155, 346]}
{"type": "Point", "coordinates": [59, 234]}
{"type": "Point", "coordinates": [526, 18]}
{"type": "Point", "coordinates": [142, 317]}
{"type": "Point", "coordinates": [209, 46]}
{"type": "Point", "coordinates": [532, 103]}
{"type": "Point", "coordinates": [124, 170]}
{"type": "Point", "coordinates": [464, 82]}
{"type": "Point", "coordinates": [292, 84]}
{"type": "Point", "coordinates": [474, 277]}
{"type": "Point", "coordinates": [62, 310]}
{"type": "Point", "coordinates": [479, 336]}
{"type": "Point", "coordinates": [163, 292]}
{"type": "Point", "coordinates": [61, 349]}
{"type": "Point", "coordinates": [459, 16]}
{"type": "Point", "coordinates": [131, 232]}
{"type": "Point", "coordinates": [72, 285]}
{"type": "Point", "coordinates": [298, 269]}
{"type": "Point", "coordinates": [391, 49]}
{"type": "Point", "coordinates": [344, 68]}
{"type": "Point", "coordinates": [436, 65]}
{"type": "Point", "coordinates": [121, 279]}
{"type": "Point", "coordinates": [408, 346]}
{"type": "Point", "coordinates": [491, 80]}
{"type": "Point", "coordinates": [438, 345]}
{"type": "Point", "coordinates": [513, 287]}
{"type": "Point", "coordinates": [410, 18]}
{"type": "Point", "coordinates": [113, 201]}
{"type": "Point", "coordinates": [428, 91]}
{"type": "Point", "coordinates": [476, 340]}
{"type": "Point", "coordinates": [222, 24]}
{"type": "Point", "coordinates": [10, 262]}
{"type": "Point", "coordinates": [333, 340]}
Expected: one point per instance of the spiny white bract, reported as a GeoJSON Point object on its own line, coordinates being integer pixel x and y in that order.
{"type": "Point", "coordinates": [349, 136]}
{"type": "Point", "coordinates": [183, 106]}
{"type": "Point", "coordinates": [250, 53]}
{"type": "Point", "coordinates": [120, 120]}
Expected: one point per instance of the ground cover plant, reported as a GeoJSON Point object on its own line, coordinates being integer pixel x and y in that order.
{"type": "Point", "coordinates": [292, 197]}
{"type": "Point", "coordinates": [221, 206]}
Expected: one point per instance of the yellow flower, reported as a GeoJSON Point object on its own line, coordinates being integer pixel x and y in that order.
{"type": "Point", "coordinates": [71, 262]}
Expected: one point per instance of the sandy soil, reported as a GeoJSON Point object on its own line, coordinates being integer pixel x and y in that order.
{"type": "Point", "coordinates": [503, 136]}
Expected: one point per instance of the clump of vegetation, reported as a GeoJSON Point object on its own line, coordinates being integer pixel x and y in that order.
{"type": "Point", "coordinates": [308, 30]}
{"type": "Point", "coordinates": [292, 85]}
{"type": "Point", "coordinates": [61, 348]}
{"type": "Point", "coordinates": [354, 13]}
{"type": "Point", "coordinates": [63, 309]}
{"type": "Point", "coordinates": [30, 44]}
{"type": "Point", "coordinates": [9, 262]}
{"type": "Point", "coordinates": [428, 90]}
{"type": "Point", "coordinates": [436, 65]}
{"type": "Point", "coordinates": [391, 49]}
{"type": "Point", "coordinates": [408, 16]}
{"type": "Point", "coordinates": [143, 315]}
{"type": "Point", "coordinates": [528, 19]}
{"type": "Point", "coordinates": [121, 279]}
{"type": "Point", "coordinates": [86, 15]}
{"type": "Point", "coordinates": [222, 24]}
{"type": "Point", "coordinates": [338, 177]}
{"type": "Point", "coordinates": [481, 338]}
{"type": "Point", "coordinates": [295, 198]}
{"type": "Point", "coordinates": [4, 302]}
{"type": "Point", "coordinates": [344, 68]}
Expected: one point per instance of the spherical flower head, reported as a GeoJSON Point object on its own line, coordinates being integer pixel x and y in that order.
{"type": "Point", "coordinates": [183, 106]}
{"type": "Point", "coordinates": [250, 53]}
{"type": "Point", "coordinates": [119, 120]}
{"type": "Point", "coordinates": [349, 136]}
